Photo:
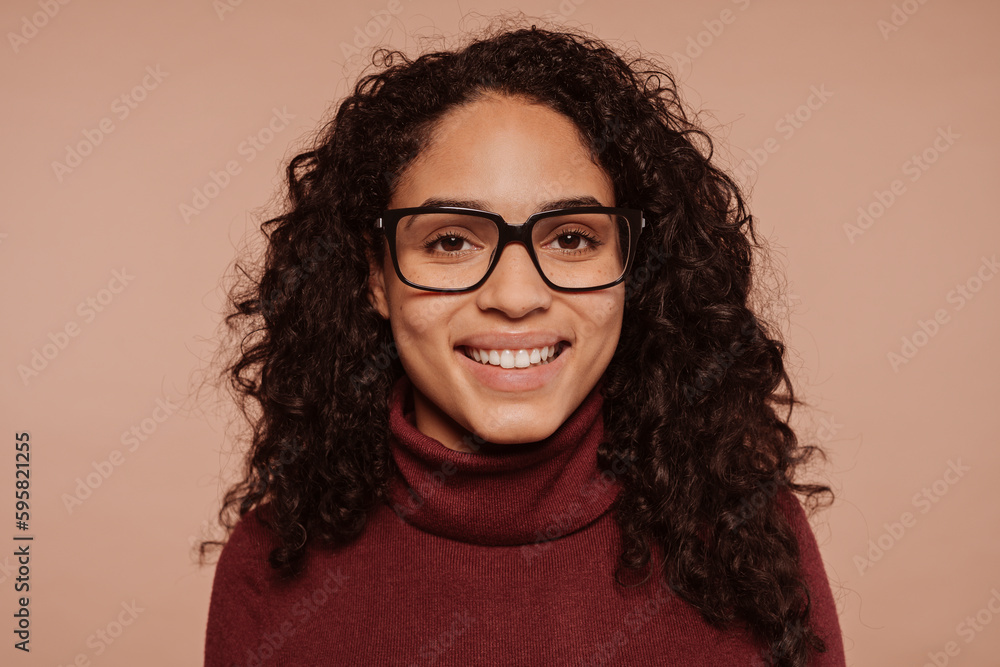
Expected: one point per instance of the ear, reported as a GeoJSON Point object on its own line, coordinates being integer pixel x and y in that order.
{"type": "Point", "coordinates": [376, 287]}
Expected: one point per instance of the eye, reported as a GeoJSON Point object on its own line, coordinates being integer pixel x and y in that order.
{"type": "Point", "coordinates": [574, 239]}
{"type": "Point", "coordinates": [448, 243]}
{"type": "Point", "coordinates": [569, 241]}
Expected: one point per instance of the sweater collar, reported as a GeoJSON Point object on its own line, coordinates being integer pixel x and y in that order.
{"type": "Point", "coordinates": [520, 495]}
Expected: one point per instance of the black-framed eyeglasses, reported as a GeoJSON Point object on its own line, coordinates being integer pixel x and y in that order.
{"type": "Point", "coordinates": [453, 249]}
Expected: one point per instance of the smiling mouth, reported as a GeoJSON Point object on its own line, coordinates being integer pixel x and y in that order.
{"type": "Point", "coordinates": [517, 358]}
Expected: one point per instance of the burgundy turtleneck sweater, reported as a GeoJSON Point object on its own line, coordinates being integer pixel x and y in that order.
{"type": "Point", "coordinates": [482, 559]}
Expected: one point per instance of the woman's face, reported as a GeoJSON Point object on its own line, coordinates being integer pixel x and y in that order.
{"type": "Point", "coordinates": [512, 158]}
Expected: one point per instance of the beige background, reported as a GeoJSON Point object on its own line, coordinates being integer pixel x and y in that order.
{"type": "Point", "coordinates": [225, 72]}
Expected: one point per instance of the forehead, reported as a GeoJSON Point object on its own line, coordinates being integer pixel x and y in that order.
{"type": "Point", "coordinates": [509, 152]}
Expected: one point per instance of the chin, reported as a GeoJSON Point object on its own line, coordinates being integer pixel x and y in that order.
{"type": "Point", "coordinates": [519, 429]}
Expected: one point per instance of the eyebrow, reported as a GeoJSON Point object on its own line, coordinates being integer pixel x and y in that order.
{"type": "Point", "coordinates": [551, 205]}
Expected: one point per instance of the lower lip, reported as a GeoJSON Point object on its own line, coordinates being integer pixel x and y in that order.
{"type": "Point", "coordinates": [514, 379]}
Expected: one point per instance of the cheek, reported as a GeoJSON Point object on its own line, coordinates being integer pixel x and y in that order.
{"type": "Point", "coordinates": [418, 321]}
{"type": "Point", "coordinates": [408, 332]}
{"type": "Point", "coordinates": [603, 319]}
{"type": "Point", "coordinates": [409, 315]}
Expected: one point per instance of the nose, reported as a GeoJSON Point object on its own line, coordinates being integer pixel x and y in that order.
{"type": "Point", "coordinates": [515, 287]}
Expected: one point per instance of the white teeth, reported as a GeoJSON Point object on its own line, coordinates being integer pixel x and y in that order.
{"type": "Point", "coordinates": [522, 358]}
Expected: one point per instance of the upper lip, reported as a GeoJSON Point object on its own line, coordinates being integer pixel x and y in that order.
{"type": "Point", "coordinates": [511, 341]}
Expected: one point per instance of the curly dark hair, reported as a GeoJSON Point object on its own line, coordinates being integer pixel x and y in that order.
{"type": "Point", "coordinates": [692, 393]}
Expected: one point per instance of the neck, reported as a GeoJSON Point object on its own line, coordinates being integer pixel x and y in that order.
{"type": "Point", "coordinates": [432, 421]}
{"type": "Point", "coordinates": [500, 494]}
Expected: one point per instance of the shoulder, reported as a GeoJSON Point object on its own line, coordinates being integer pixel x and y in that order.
{"type": "Point", "coordinates": [795, 514]}
{"type": "Point", "coordinates": [793, 511]}
{"type": "Point", "coordinates": [237, 609]}
{"type": "Point", "coordinates": [809, 555]}
{"type": "Point", "coordinates": [251, 534]}
{"type": "Point", "coordinates": [243, 560]}
{"type": "Point", "coordinates": [823, 608]}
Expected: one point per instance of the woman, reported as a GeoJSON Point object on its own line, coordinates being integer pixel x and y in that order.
{"type": "Point", "coordinates": [509, 402]}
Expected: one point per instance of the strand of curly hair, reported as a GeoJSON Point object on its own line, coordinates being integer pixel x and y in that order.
{"type": "Point", "coordinates": [691, 395]}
